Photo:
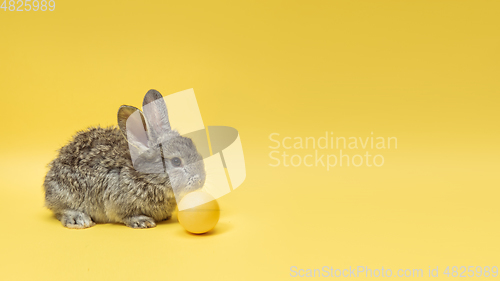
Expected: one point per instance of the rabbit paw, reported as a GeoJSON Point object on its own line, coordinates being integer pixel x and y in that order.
{"type": "Point", "coordinates": [139, 222]}
{"type": "Point", "coordinates": [76, 219]}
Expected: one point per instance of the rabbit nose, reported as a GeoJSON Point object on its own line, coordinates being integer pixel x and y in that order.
{"type": "Point", "coordinates": [195, 181]}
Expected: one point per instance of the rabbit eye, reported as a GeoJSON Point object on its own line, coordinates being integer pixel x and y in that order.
{"type": "Point", "coordinates": [176, 161]}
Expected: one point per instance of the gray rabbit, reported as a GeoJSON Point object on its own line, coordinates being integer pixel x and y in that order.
{"type": "Point", "coordinates": [93, 179]}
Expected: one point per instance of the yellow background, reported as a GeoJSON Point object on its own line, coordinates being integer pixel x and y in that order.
{"type": "Point", "coordinates": [425, 72]}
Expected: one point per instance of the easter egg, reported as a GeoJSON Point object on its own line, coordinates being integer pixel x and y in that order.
{"type": "Point", "coordinates": [198, 212]}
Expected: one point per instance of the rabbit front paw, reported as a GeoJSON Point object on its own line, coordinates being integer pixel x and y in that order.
{"type": "Point", "coordinates": [139, 222]}
{"type": "Point", "coordinates": [75, 219]}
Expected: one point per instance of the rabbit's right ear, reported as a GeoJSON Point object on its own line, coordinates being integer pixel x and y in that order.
{"type": "Point", "coordinates": [133, 126]}
{"type": "Point", "coordinates": [156, 114]}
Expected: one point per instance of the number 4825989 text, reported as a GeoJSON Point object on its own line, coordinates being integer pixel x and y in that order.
{"type": "Point", "coordinates": [28, 5]}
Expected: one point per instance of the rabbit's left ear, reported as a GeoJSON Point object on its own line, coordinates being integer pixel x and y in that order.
{"type": "Point", "coordinates": [133, 126]}
{"type": "Point", "coordinates": [155, 111]}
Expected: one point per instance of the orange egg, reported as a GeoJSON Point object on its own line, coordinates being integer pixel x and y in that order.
{"type": "Point", "coordinates": [198, 212]}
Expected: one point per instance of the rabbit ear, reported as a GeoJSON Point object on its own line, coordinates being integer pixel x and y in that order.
{"type": "Point", "coordinates": [133, 126]}
{"type": "Point", "coordinates": [155, 111]}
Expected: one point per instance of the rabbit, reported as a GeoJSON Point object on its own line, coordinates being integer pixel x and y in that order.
{"type": "Point", "coordinates": [93, 179]}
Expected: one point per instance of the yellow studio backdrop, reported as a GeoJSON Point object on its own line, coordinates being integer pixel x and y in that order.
{"type": "Point", "coordinates": [424, 72]}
